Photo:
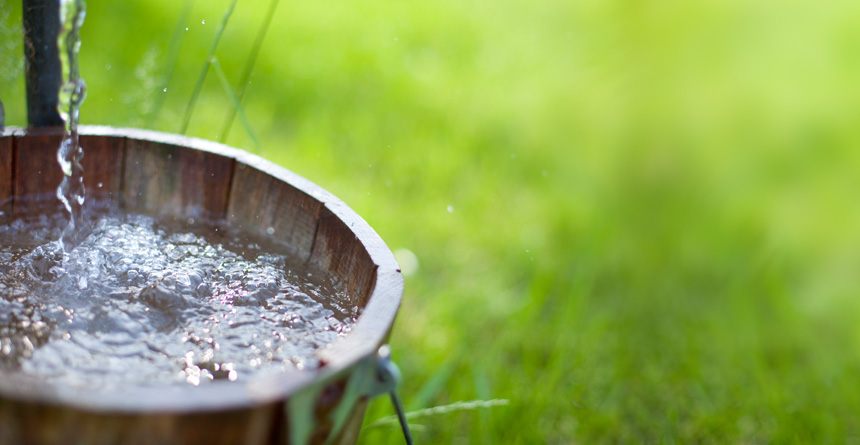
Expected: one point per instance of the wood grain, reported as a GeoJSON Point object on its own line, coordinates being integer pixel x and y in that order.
{"type": "Point", "coordinates": [263, 202]}
{"type": "Point", "coordinates": [40, 423]}
{"type": "Point", "coordinates": [6, 177]}
{"type": "Point", "coordinates": [164, 179]}
{"type": "Point", "coordinates": [37, 173]}
{"type": "Point", "coordinates": [338, 250]}
{"type": "Point", "coordinates": [102, 163]}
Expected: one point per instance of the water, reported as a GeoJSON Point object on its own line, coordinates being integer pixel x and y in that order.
{"type": "Point", "coordinates": [139, 302]}
{"type": "Point", "coordinates": [71, 192]}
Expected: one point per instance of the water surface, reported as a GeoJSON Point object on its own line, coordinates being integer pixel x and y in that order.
{"type": "Point", "coordinates": [143, 301]}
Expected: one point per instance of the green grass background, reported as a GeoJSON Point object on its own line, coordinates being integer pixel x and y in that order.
{"type": "Point", "coordinates": [655, 226]}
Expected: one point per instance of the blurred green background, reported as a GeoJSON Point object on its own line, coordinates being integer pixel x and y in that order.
{"type": "Point", "coordinates": [636, 221]}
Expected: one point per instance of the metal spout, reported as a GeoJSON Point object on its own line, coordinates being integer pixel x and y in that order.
{"type": "Point", "coordinates": [42, 61]}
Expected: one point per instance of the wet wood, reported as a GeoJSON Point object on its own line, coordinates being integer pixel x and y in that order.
{"type": "Point", "coordinates": [37, 173]}
{"type": "Point", "coordinates": [164, 174]}
{"type": "Point", "coordinates": [28, 423]}
{"type": "Point", "coordinates": [36, 154]}
{"type": "Point", "coordinates": [267, 204]}
{"type": "Point", "coordinates": [165, 179]}
{"type": "Point", "coordinates": [5, 176]}
{"type": "Point", "coordinates": [102, 163]}
{"type": "Point", "coordinates": [338, 249]}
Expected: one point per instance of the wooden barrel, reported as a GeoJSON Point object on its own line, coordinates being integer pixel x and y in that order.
{"type": "Point", "coordinates": [168, 175]}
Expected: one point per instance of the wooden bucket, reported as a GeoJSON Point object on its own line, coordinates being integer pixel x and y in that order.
{"type": "Point", "coordinates": [168, 175]}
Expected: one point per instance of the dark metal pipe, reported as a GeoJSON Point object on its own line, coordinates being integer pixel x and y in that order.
{"type": "Point", "coordinates": [42, 61]}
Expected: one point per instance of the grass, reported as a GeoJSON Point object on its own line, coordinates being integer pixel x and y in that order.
{"type": "Point", "coordinates": [635, 221]}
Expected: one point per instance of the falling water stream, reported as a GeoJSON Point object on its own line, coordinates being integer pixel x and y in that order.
{"type": "Point", "coordinates": [73, 91]}
{"type": "Point", "coordinates": [100, 297]}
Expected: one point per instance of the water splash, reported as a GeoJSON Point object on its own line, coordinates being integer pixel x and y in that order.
{"type": "Point", "coordinates": [72, 93]}
{"type": "Point", "coordinates": [145, 302]}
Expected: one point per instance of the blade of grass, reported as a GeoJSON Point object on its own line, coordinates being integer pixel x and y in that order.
{"type": "Point", "coordinates": [199, 85]}
{"type": "Point", "coordinates": [249, 67]}
{"type": "Point", "coordinates": [463, 405]}
{"type": "Point", "coordinates": [236, 105]}
{"type": "Point", "coordinates": [171, 60]}
{"type": "Point", "coordinates": [483, 388]}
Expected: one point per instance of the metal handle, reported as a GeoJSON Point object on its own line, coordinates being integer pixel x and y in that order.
{"type": "Point", "coordinates": [390, 376]}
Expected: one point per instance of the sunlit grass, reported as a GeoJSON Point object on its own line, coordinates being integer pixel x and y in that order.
{"type": "Point", "coordinates": [653, 232]}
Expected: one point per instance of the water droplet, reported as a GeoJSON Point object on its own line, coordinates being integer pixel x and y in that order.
{"type": "Point", "coordinates": [407, 260]}
{"type": "Point", "coordinates": [203, 22]}
{"type": "Point", "coordinates": [99, 185]}
{"type": "Point", "coordinates": [186, 29]}
{"type": "Point", "coordinates": [450, 209]}
{"type": "Point", "coordinates": [165, 90]}
{"type": "Point", "coordinates": [108, 67]}
{"type": "Point", "coordinates": [270, 230]}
